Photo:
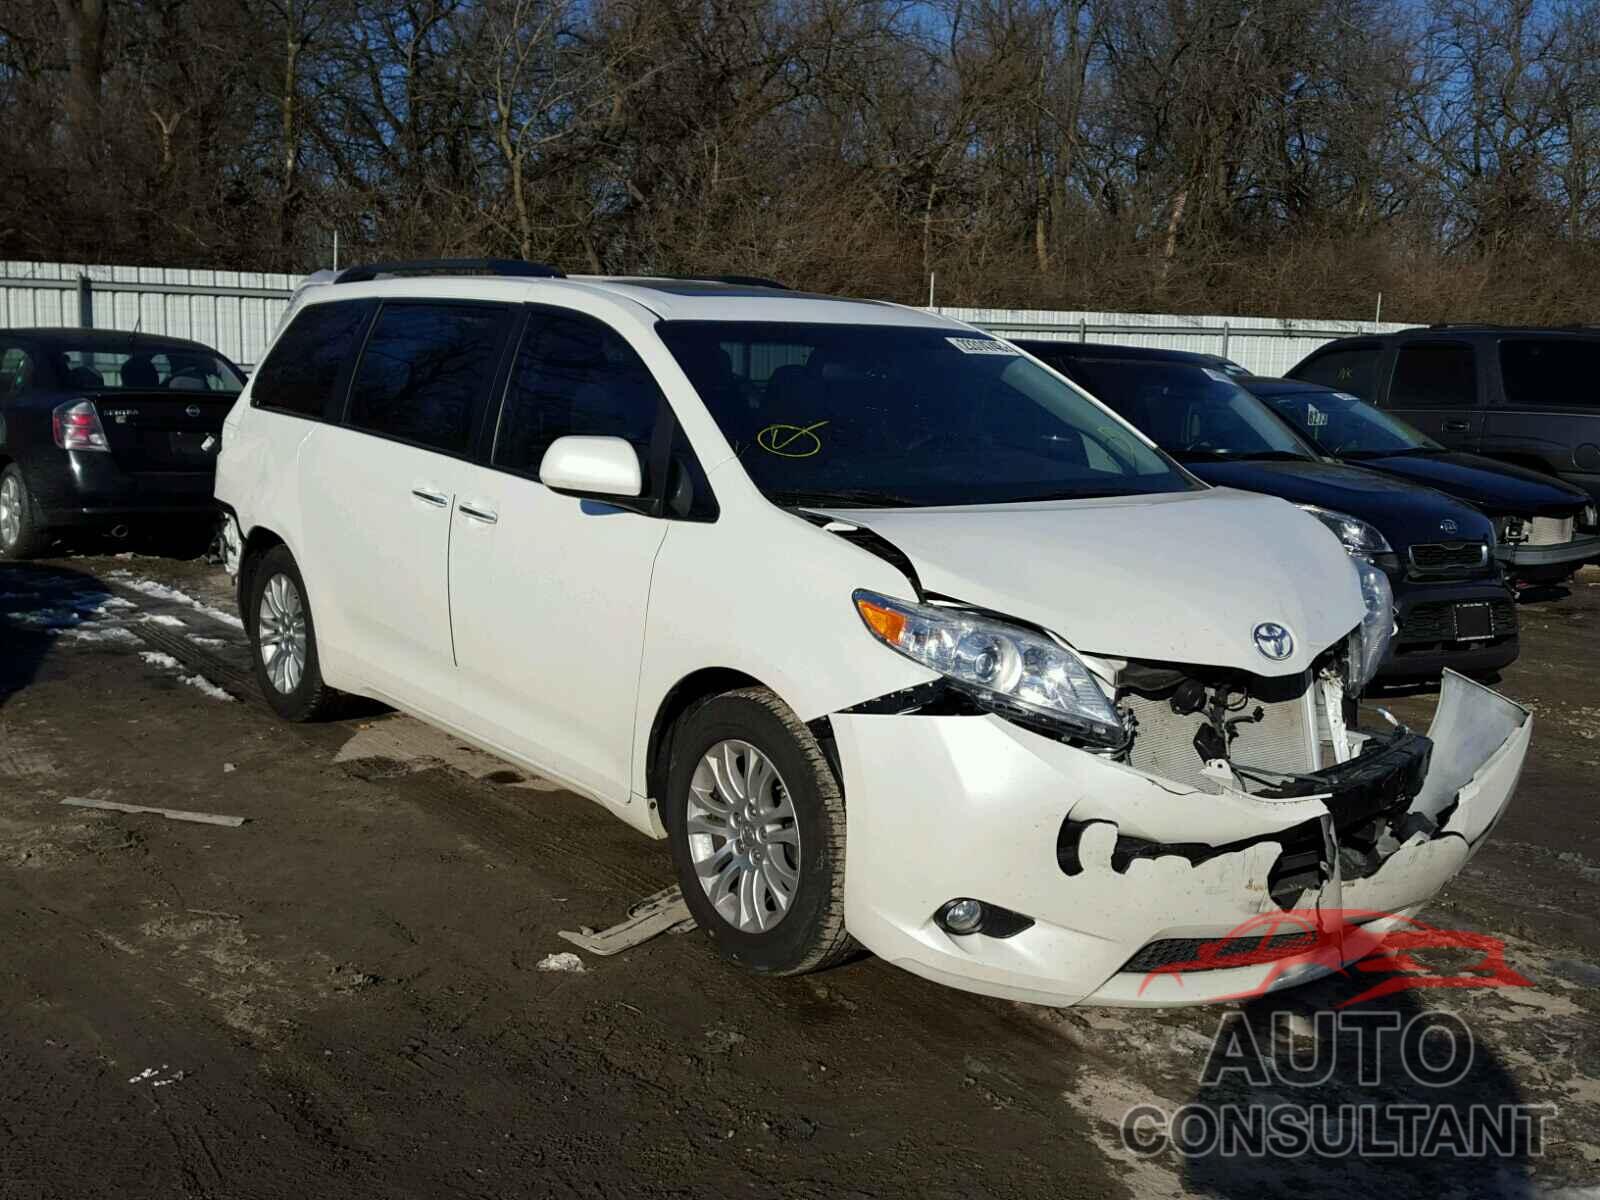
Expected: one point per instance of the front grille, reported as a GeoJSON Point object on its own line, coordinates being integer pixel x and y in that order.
{"type": "Point", "coordinates": [1436, 621]}
{"type": "Point", "coordinates": [1210, 954]}
{"type": "Point", "coordinates": [1231, 950]}
{"type": "Point", "coordinates": [1449, 556]}
{"type": "Point", "coordinates": [1283, 740]}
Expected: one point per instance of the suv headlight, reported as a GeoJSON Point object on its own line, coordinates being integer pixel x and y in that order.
{"type": "Point", "coordinates": [1013, 671]}
{"type": "Point", "coordinates": [1369, 644]}
{"type": "Point", "coordinates": [1358, 536]}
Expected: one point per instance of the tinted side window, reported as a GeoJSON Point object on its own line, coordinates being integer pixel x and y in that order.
{"type": "Point", "coordinates": [16, 371]}
{"type": "Point", "coordinates": [1352, 371]}
{"type": "Point", "coordinates": [1436, 375]}
{"type": "Point", "coordinates": [425, 370]}
{"type": "Point", "coordinates": [575, 375]}
{"type": "Point", "coordinates": [1551, 372]}
{"type": "Point", "coordinates": [300, 373]}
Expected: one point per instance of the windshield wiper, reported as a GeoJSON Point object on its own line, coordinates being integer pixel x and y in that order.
{"type": "Point", "coordinates": [842, 498]}
{"type": "Point", "coordinates": [1240, 456]}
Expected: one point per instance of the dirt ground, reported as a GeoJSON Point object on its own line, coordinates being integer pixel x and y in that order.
{"type": "Point", "coordinates": [343, 996]}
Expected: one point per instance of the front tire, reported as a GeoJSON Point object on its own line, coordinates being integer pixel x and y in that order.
{"type": "Point", "coordinates": [283, 640]}
{"type": "Point", "coordinates": [21, 535]}
{"type": "Point", "coordinates": [756, 820]}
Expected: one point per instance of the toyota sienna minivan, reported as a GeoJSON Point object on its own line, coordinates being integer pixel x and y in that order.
{"type": "Point", "coordinates": [900, 639]}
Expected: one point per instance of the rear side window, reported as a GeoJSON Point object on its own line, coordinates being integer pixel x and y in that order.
{"type": "Point", "coordinates": [425, 371]}
{"type": "Point", "coordinates": [1353, 371]}
{"type": "Point", "coordinates": [16, 371]}
{"type": "Point", "coordinates": [1434, 375]}
{"type": "Point", "coordinates": [300, 374]}
{"type": "Point", "coordinates": [575, 375]}
{"type": "Point", "coordinates": [1551, 372]}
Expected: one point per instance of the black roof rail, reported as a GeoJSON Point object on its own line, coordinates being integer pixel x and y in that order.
{"type": "Point", "coordinates": [514, 267]}
{"type": "Point", "coordinates": [748, 281]}
{"type": "Point", "coordinates": [1466, 325]}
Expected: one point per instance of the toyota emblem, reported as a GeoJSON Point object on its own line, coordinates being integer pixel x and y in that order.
{"type": "Point", "coordinates": [1274, 641]}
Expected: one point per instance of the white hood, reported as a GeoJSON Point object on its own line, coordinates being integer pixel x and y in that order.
{"type": "Point", "coordinates": [1182, 577]}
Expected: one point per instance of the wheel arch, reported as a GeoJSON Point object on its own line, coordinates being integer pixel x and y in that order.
{"type": "Point", "coordinates": [689, 691]}
{"type": "Point", "coordinates": [256, 544]}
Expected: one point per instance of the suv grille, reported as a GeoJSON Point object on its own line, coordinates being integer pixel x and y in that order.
{"type": "Point", "coordinates": [1436, 622]}
{"type": "Point", "coordinates": [1449, 556]}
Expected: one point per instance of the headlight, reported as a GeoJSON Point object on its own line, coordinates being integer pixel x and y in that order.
{"type": "Point", "coordinates": [1370, 642]}
{"type": "Point", "coordinates": [1003, 667]}
{"type": "Point", "coordinates": [1358, 537]}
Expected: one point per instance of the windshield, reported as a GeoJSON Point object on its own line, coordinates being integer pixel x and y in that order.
{"type": "Point", "coordinates": [157, 368]}
{"type": "Point", "coordinates": [1192, 412]}
{"type": "Point", "coordinates": [858, 415]}
{"type": "Point", "coordinates": [1347, 426]}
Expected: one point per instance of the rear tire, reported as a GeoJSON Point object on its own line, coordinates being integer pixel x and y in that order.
{"type": "Point", "coordinates": [756, 821]}
{"type": "Point", "coordinates": [283, 640]}
{"type": "Point", "coordinates": [21, 533]}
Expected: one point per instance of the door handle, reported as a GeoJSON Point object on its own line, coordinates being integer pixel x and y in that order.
{"type": "Point", "coordinates": [1456, 426]}
{"type": "Point", "coordinates": [487, 516]}
{"type": "Point", "coordinates": [437, 499]}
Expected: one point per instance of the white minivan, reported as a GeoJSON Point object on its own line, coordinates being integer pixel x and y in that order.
{"type": "Point", "coordinates": [899, 638]}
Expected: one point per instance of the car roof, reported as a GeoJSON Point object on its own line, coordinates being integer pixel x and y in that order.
{"type": "Point", "coordinates": [1131, 353]}
{"type": "Point", "coordinates": [104, 339]}
{"type": "Point", "coordinates": [1267, 385]}
{"type": "Point", "coordinates": [1448, 330]}
{"type": "Point", "coordinates": [670, 299]}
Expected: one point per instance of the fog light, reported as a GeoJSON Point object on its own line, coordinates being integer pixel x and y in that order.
{"type": "Point", "coordinates": [961, 916]}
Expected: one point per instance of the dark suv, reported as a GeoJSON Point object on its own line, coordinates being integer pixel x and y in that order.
{"type": "Point", "coordinates": [1522, 395]}
{"type": "Point", "coordinates": [1452, 603]}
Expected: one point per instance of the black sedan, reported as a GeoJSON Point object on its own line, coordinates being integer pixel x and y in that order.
{"type": "Point", "coordinates": [1547, 529]}
{"type": "Point", "coordinates": [101, 429]}
{"type": "Point", "coordinates": [1454, 609]}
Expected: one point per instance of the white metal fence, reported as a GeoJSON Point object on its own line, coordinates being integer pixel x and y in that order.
{"type": "Point", "coordinates": [1264, 345]}
{"type": "Point", "coordinates": [233, 311]}
{"type": "Point", "coordinates": [237, 311]}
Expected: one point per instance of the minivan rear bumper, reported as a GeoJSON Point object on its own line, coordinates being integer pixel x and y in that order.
{"type": "Point", "coordinates": [946, 807]}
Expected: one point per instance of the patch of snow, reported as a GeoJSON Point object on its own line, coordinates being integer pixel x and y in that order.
{"type": "Point", "coordinates": [207, 641]}
{"type": "Point", "coordinates": [164, 619]}
{"type": "Point", "coordinates": [109, 633]}
{"type": "Point", "coordinates": [157, 659]}
{"type": "Point", "coordinates": [565, 961]}
{"type": "Point", "coordinates": [201, 683]}
{"type": "Point", "coordinates": [160, 591]}
{"type": "Point", "coordinates": [46, 618]}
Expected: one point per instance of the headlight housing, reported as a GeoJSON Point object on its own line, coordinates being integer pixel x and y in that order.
{"type": "Point", "coordinates": [1013, 671]}
{"type": "Point", "coordinates": [1358, 536]}
{"type": "Point", "coordinates": [1369, 644]}
{"type": "Point", "coordinates": [1589, 518]}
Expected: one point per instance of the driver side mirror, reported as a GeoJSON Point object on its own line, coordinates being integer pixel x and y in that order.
{"type": "Point", "coordinates": [592, 467]}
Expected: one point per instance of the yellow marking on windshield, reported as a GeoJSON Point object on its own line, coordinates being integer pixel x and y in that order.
{"type": "Point", "coordinates": [791, 441]}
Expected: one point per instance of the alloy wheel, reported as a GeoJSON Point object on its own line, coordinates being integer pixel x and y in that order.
{"type": "Point", "coordinates": [743, 836]}
{"type": "Point", "coordinates": [281, 633]}
{"type": "Point", "coordinates": [10, 510]}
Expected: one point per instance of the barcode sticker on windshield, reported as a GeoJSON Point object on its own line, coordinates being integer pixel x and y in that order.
{"type": "Point", "coordinates": [980, 346]}
{"type": "Point", "coordinates": [1219, 376]}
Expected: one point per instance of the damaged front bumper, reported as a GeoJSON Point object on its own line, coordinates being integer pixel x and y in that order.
{"type": "Point", "coordinates": [1109, 862]}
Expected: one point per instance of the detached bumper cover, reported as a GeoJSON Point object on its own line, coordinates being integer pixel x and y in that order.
{"type": "Point", "coordinates": [947, 806]}
{"type": "Point", "coordinates": [1581, 549]}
